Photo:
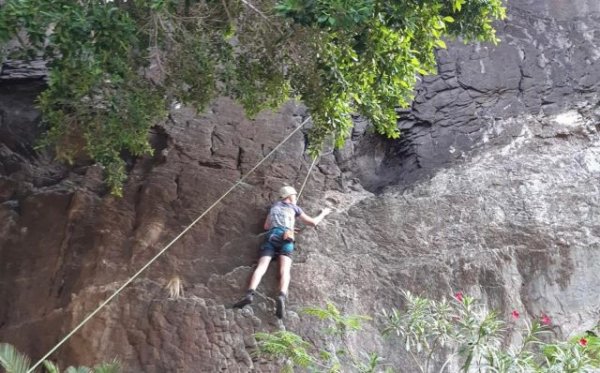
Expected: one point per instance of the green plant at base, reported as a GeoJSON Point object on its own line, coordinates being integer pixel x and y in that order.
{"type": "Point", "coordinates": [12, 360]}
{"type": "Point", "coordinates": [286, 345]}
{"type": "Point", "coordinates": [339, 324]}
{"type": "Point", "coordinates": [294, 351]}
{"type": "Point", "coordinates": [438, 335]}
{"type": "Point", "coordinates": [462, 331]}
{"type": "Point", "coordinates": [580, 354]}
{"type": "Point", "coordinates": [15, 362]}
{"type": "Point", "coordinates": [116, 66]}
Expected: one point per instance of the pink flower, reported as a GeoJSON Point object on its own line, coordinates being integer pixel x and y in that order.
{"type": "Point", "coordinates": [515, 314]}
{"type": "Point", "coordinates": [545, 319]}
{"type": "Point", "coordinates": [583, 342]}
{"type": "Point", "coordinates": [458, 296]}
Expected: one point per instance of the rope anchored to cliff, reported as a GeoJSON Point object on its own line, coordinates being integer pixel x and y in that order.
{"type": "Point", "coordinates": [130, 280]}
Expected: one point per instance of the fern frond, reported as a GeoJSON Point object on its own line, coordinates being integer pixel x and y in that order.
{"type": "Point", "coordinates": [51, 367]}
{"type": "Point", "coordinates": [112, 367]}
{"type": "Point", "coordinates": [81, 369]}
{"type": "Point", "coordinates": [12, 360]}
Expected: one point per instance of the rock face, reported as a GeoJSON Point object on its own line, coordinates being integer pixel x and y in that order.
{"type": "Point", "coordinates": [493, 189]}
{"type": "Point", "coordinates": [546, 63]}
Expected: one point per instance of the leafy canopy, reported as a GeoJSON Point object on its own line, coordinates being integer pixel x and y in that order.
{"type": "Point", "coordinates": [117, 65]}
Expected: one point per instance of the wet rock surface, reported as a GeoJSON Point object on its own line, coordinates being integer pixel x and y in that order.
{"type": "Point", "coordinates": [493, 190]}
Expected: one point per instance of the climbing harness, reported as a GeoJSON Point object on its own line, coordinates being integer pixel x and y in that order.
{"type": "Point", "coordinates": [130, 280]}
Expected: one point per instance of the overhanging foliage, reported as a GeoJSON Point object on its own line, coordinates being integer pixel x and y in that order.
{"type": "Point", "coordinates": [116, 66]}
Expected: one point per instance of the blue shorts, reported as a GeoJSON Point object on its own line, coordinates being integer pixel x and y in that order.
{"type": "Point", "coordinates": [275, 245]}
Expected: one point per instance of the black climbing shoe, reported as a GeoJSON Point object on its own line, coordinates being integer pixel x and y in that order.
{"type": "Point", "coordinates": [280, 306]}
{"type": "Point", "coordinates": [246, 300]}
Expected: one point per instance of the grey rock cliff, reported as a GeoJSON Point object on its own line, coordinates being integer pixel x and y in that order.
{"type": "Point", "coordinates": [547, 62]}
{"type": "Point", "coordinates": [492, 190]}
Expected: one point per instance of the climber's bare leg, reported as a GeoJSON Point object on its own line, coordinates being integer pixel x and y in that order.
{"type": "Point", "coordinates": [259, 272]}
{"type": "Point", "coordinates": [285, 266]}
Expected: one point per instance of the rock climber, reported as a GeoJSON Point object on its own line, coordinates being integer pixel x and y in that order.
{"type": "Point", "coordinates": [279, 244]}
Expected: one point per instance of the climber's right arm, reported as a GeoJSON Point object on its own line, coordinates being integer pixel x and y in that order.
{"type": "Point", "coordinates": [317, 219]}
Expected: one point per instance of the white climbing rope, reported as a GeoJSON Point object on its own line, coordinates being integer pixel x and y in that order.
{"type": "Point", "coordinates": [306, 178]}
{"type": "Point", "coordinates": [130, 280]}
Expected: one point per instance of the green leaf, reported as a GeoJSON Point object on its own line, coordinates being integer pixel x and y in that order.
{"type": "Point", "coordinates": [457, 5]}
{"type": "Point", "coordinates": [51, 367]}
{"type": "Point", "coordinates": [12, 360]}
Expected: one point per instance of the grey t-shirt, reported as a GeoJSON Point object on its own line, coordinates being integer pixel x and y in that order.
{"type": "Point", "coordinates": [284, 214]}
